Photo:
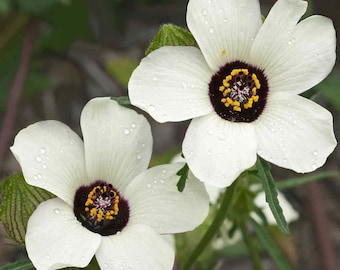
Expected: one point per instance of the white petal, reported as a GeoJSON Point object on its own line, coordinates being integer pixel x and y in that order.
{"type": "Point", "coordinates": [294, 57]}
{"type": "Point", "coordinates": [118, 142]}
{"type": "Point", "coordinates": [217, 151]}
{"type": "Point", "coordinates": [51, 156]}
{"type": "Point", "coordinates": [224, 29]}
{"type": "Point", "coordinates": [288, 211]}
{"type": "Point", "coordinates": [55, 239]}
{"type": "Point", "coordinates": [155, 201]}
{"type": "Point", "coordinates": [171, 84]}
{"type": "Point", "coordinates": [295, 133]}
{"type": "Point", "coordinates": [137, 247]}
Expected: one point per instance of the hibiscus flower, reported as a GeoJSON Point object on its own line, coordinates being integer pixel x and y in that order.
{"type": "Point", "coordinates": [242, 86]}
{"type": "Point", "coordinates": [108, 203]}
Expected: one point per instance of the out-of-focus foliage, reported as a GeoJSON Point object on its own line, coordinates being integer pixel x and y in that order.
{"type": "Point", "coordinates": [34, 7]}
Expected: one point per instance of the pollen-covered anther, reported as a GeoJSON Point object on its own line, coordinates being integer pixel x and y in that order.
{"type": "Point", "coordinates": [102, 203]}
{"type": "Point", "coordinates": [240, 89]}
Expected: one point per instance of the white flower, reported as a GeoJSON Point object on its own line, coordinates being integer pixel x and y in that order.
{"type": "Point", "coordinates": [108, 204]}
{"type": "Point", "coordinates": [241, 88]}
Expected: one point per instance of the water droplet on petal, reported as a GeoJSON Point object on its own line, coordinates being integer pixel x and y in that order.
{"type": "Point", "coordinates": [139, 156]}
{"type": "Point", "coordinates": [44, 166]}
{"type": "Point", "coordinates": [204, 12]}
{"type": "Point", "coordinates": [38, 159]}
{"type": "Point", "coordinates": [164, 171]}
{"type": "Point", "coordinates": [149, 185]}
{"type": "Point", "coordinates": [222, 136]}
{"type": "Point", "coordinates": [48, 257]}
{"type": "Point", "coordinates": [151, 108]}
{"type": "Point", "coordinates": [155, 77]}
{"type": "Point", "coordinates": [315, 152]}
{"type": "Point", "coordinates": [42, 150]}
{"type": "Point", "coordinates": [126, 131]}
{"type": "Point", "coordinates": [314, 166]}
{"type": "Point", "coordinates": [56, 211]}
{"type": "Point", "coordinates": [211, 30]}
{"type": "Point", "coordinates": [284, 160]}
{"type": "Point", "coordinates": [133, 125]}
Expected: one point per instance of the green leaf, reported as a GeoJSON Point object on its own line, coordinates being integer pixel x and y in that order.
{"type": "Point", "coordinates": [19, 200]}
{"type": "Point", "coordinates": [171, 35]}
{"type": "Point", "coordinates": [123, 100]}
{"type": "Point", "coordinates": [183, 173]}
{"type": "Point", "coordinates": [20, 265]}
{"type": "Point", "coordinates": [269, 244]}
{"type": "Point", "coordinates": [270, 190]}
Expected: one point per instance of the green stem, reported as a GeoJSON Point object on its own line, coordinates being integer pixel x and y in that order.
{"type": "Point", "coordinates": [214, 227]}
{"type": "Point", "coordinates": [251, 247]}
{"type": "Point", "coordinates": [302, 180]}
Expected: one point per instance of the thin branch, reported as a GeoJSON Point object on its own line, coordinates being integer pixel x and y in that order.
{"type": "Point", "coordinates": [16, 91]}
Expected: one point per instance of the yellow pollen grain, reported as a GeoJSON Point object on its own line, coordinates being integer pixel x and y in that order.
{"type": "Point", "coordinates": [235, 72]}
{"type": "Point", "coordinates": [93, 212]}
{"type": "Point", "coordinates": [236, 108]}
{"type": "Point", "coordinates": [245, 71]}
{"type": "Point", "coordinates": [256, 98]}
{"type": "Point", "coordinates": [223, 52]}
{"type": "Point", "coordinates": [253, 91]}
{"type": "Point", "coordinates": [221, 88]}
{"type": "Point", "coordinates": [87, 209]}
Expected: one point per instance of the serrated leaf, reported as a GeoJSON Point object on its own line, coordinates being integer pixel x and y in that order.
{"type": "Point", "coordinates": [270, 190]}
{"type": "Point", "coordinates": [171, 35]}
{"type": "Point", "coordinates": [20, 265]}
{"type": "Point", "coordinates": [269, 244]}
{"type": "Point", "coordinates": [183, 173]}
{"type": "Point", "coordinates": [19, 200]}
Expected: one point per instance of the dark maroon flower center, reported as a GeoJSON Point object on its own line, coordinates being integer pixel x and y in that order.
{"type": "Point", "coordinates": [238, 92]}
{"type": "Point", "coordinates": [100, 208]}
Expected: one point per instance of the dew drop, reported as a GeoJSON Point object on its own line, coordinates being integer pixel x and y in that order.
{"type": "Point", "coordinates": [139, 156]}
{"type": "Point", "coordinates": [225, 20]}
{"type": "Point", "coordinates": [42, 150]}
{"type": "Point", "coordinates": [48, 257]}
{"type": "Point", "coordinates": [284, 160]}
{"type": "Point", "coordinates": [149, 185]}
{"type": "Point", "coordinates": [211, 30]}
{"type": "Point", "coordinates": [133, 125]}
{"type": "Point", "coordinates": [209, 153]}
{"type": "Point", "coordinates": [314, 166]}
{"type": "Point", "coordinates": [126, 131]}
{"type": "Point", "coordinates": [315, 152]}
{"type": "Point", "coordinates": [151, 108]}
{"type": "Point", "coordinates": [222, 136]}
{"type": "Point", "coordinates": [210, 132]}
{"type": "Point", "coordinates": [184, 85]}
{"type": "Point", "coordinates": [204, 12]}
{"type": "Point", "coordinates": [38, 159]}
{"type": "Point", "coordinates": [44, 166]}
{"type": "Point", "coordinates": [164, 171]}
{"type": "Point", "coordinates": [155, 77]}
{"type": "Point", "coordinates": [56, 211]}
{"type": "Point", "coordinates": [162, 181]}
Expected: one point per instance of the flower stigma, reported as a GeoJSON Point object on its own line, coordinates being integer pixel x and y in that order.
{"type": "Point", "coordinates": [238, 92]}
{"type": "Point", "coordinates": [100, 208]}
